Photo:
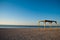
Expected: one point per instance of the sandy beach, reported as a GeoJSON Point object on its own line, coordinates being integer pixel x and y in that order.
{"type": "Point", "coordinates": [29, 34]}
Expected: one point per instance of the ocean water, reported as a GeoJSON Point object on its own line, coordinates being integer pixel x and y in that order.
{"type": "Point", "coordinates": [22, 26]}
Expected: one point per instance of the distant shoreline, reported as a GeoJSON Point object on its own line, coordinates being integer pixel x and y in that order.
{"type": "Point", "coordinates": [26, 26]}
{"type": "Point", "coordinates": [20, 25]}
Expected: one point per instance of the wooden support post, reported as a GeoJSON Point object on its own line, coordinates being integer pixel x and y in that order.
{"type": "Point", "coordinates": [38, 23]}
{"type": "Point", "coordinates": [44, 25]}
{"type": "Point", "coordinates": [56, 27]}
{"type": "Point", "coordinates": [50, 26]}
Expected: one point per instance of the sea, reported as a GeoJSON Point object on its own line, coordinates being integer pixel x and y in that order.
{"type": "Point", "coordinates": [27, 26]}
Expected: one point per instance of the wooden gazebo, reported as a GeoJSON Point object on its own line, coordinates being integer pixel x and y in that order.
{"type": "Point", "coordinates": [44, 21]}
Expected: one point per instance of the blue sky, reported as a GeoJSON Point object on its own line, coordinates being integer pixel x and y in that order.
{"type": "Point", "coordinates": [28, 12]}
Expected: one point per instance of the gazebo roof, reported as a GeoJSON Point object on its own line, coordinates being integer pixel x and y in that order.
{"type": "Point", "coordinates": [48, 21]}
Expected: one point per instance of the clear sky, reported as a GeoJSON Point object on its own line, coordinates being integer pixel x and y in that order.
{"type": "Point", "coordinates": [28, 12]}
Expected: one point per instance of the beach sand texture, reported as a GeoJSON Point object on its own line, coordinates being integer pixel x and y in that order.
{"type": "Point", "coordinates": [29, 34]}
